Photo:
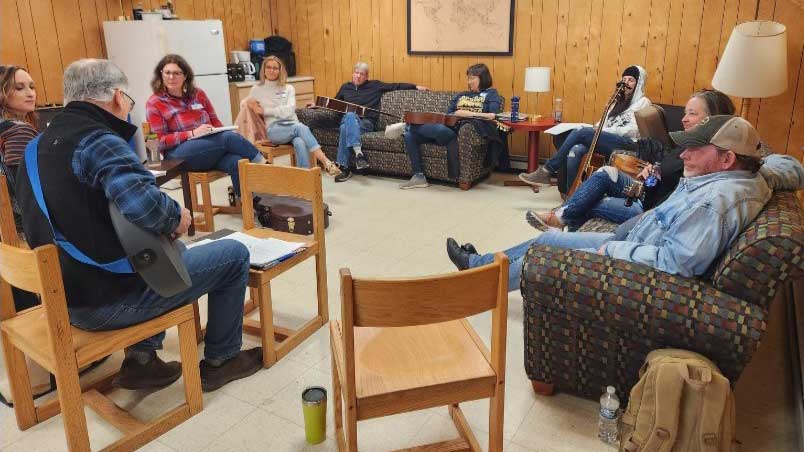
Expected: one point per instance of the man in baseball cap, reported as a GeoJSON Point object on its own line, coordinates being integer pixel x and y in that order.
{"type": "Point", "coordinates": [719, 143]}
{"type": "Point", "coordinates": [719, 195]}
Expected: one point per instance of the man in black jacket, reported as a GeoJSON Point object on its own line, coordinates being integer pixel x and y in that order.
{"type": "Point", "coordinates": [367, 93]}
{"type": "Point", "coordinates": [83, 161]}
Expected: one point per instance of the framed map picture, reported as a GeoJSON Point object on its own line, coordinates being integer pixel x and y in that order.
{"type": "Point", "coordinates": [460, 27]}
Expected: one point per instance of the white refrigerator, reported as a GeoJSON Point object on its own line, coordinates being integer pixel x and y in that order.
{"type": "Point", "coordinates": [136, 47]}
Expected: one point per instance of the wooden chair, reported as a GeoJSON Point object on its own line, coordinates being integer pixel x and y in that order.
{"type": "Point", "coordinates": [278, 341]}
{"type": "Point", "coordinates": [45, 335]}
{"type": "Point", "coordinates": [271, 151]}
{"type": "Point", "coordinates": [205, 222]}
{"type": "Point", "coordinates": [8, 230]}
{"type": "Point", "coordinates": [405, 345]}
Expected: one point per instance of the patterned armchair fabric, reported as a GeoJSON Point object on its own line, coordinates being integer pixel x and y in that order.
{"type": "Point", "coordinates": [388, 156]}
{"type": "Point", "coordinates": [590, 320]}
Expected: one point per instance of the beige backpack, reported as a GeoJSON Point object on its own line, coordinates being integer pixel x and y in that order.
{"type": "Point", "coordinates": [682, 403]}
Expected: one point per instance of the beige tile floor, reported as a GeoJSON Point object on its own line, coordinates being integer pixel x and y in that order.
{"type": "Point", "coordinates": [378, 229]}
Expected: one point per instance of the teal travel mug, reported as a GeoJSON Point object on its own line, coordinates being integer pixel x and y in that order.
{"type": "Point", "coordinates": [314, 405]}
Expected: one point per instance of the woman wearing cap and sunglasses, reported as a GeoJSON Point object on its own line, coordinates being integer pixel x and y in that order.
{"type": "Point", "coordinates": [183, 118]}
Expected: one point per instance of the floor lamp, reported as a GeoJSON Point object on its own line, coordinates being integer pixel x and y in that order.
{"type": "Point", "coordinates": [754, 63]}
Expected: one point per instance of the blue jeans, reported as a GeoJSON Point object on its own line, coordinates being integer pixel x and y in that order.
{"type": "Point", "coordinates": [220, 151]}
{"type": "Point", "coordinates": [427, 133]}
{"type": "Point", "coordinates": [577, 144]}
{"type": "Point", "coordinates": [586, 241]}
{"type": "Point", "coordinates": [219, 269]}
{"type": "Point", "coordinates": [304, 143]}
{"type": "Point", "coordinates": [600, 197]}
{"type": "Point", "coordinates": [351, 129]}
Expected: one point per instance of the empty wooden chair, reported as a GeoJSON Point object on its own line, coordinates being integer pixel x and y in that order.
{"type": "Point", "coordinates": [405, 345]}
{"type": "Point", "coordinates": [277, 341]}
{"type": "Point", "coordinates": [44, 334]}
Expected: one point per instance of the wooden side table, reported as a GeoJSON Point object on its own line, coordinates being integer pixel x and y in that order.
{"type": "Point", "coordinates": [533, 128]}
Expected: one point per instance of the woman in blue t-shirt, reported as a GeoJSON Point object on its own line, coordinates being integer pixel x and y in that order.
{"type": "Point", "coordinates": [480, 101]}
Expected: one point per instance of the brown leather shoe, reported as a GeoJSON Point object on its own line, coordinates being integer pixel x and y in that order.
{"type": "Point", "coordinates": [154, 374]}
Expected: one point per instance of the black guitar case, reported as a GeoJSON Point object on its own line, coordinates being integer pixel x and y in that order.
{"type": "Point", "coordinates": [286, 213]}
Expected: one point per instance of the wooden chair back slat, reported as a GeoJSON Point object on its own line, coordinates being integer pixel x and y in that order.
{"type": "Point", "coordinates": [421, 301]}
{"type": "Point", "coordinates": [8, 230]}
{"type": "Point", "coordinates": [281, 180]}
{"type": "Point", "coordinates": [18, 268]}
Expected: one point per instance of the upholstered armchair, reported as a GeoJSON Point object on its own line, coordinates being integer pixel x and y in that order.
{"type": "Point", "coordinates": [590, 320]}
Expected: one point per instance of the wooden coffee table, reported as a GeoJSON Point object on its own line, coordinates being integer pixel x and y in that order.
{"type": "Point", "coordinates": [532, 128]}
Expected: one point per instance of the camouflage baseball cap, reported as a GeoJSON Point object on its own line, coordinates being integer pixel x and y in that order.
{"type": "Point", "coordinates": [724, 131]}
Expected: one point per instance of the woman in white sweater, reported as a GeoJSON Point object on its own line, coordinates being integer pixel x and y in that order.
{"type": "Point", "coordinates": [275, 100]}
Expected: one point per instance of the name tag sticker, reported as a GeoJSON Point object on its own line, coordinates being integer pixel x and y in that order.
{"type": "Point", "coordinates": [196, 106]}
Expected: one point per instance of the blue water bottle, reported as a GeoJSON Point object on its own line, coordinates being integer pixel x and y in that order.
{"type": "Point", "coordinates": [515, 109]}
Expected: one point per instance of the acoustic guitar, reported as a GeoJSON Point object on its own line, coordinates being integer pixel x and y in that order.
{"type": "Point", "coordinates": [428, 117]}
{"type": "Point", "coordinates": [637, 189]}
{"type": "Point", "coordinates": [156, 258]}
{"type": "Point", "coordinates": [627, 163]}
{"type": "Point", "coordinates": [340, 106]}
{"type": "Point", "coordinates": [585, 170]}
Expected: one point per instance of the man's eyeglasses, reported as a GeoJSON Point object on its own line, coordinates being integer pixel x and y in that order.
{"type": "Point", "coordinates": [130, 99]}
{"type": "Point", "coordinates": [173, 73]}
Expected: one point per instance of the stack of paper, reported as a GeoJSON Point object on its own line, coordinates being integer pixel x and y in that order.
{"type": "Point", "coordinates": [562, 127]}
{"type": "Point", "coordinates": [264, 253]}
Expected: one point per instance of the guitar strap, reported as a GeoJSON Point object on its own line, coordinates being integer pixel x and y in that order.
{"type": "Point", "coordinates": [121, 265]}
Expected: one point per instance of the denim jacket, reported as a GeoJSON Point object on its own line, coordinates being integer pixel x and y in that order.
{"type": "Point", "coordinates": [703, 216]}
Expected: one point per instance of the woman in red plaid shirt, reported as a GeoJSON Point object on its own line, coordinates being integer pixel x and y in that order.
{"type": "Point", "coordinates": [182, 117]}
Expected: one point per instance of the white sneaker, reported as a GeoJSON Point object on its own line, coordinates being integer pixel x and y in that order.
{"type": "Point", "coordinates": [417, 181]}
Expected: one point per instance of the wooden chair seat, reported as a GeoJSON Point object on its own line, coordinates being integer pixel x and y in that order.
{"type": "Point", "coordinates": [29, 332]}
{"type": "Point", "coordinates": [449, 351]}
{"type": "Point", "coordinates": [271, 151]}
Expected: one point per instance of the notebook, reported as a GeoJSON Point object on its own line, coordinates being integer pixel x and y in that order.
{"type": "Point", "coordinates": [263, 253]}
{"type": "Point", "coordinates": [215, 130]}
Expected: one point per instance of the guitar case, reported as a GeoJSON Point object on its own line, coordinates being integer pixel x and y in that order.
{"type": "Point", "coordinates": [286, 213]}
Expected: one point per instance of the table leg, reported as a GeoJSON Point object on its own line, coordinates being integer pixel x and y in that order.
{"type": "Point", "coordinates": [533, 150]}
{"type": "Point", "coordinates": [188, 204]}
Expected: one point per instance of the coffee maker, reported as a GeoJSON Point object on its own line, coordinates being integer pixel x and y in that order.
{"type": "Point", "coordinates": [242, 58]}
{"type": "Point", "coordinates": [235, 72]}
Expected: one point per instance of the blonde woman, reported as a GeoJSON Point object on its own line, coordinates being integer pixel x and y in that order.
{"type": "Point", "coordinates": [275, 100]}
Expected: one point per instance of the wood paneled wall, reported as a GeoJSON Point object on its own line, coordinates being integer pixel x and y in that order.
{"type": "Point", "coordinates": [586, 42]}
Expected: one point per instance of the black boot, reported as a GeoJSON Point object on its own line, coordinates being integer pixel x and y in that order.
{"type": "Point", "coordinates": [242, 365]}
{"type": "Point", "coordinates": [145, 370]}
{"type": "Point", "coordinates": [458, 255]}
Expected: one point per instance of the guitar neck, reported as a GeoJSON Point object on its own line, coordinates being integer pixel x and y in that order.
{"type": "Point", "coordinates": [341, 106]}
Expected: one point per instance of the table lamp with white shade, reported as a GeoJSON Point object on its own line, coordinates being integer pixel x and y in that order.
{"type": "Point", "coordinates": [754, 62]}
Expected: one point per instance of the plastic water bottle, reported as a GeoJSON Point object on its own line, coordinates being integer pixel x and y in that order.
{"type": "Point", "coordinates": [609, 419]}
{"type": "Point", "coordinates": [515, 109]}
{"type": "Point", "coordinates": [558, 109]}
